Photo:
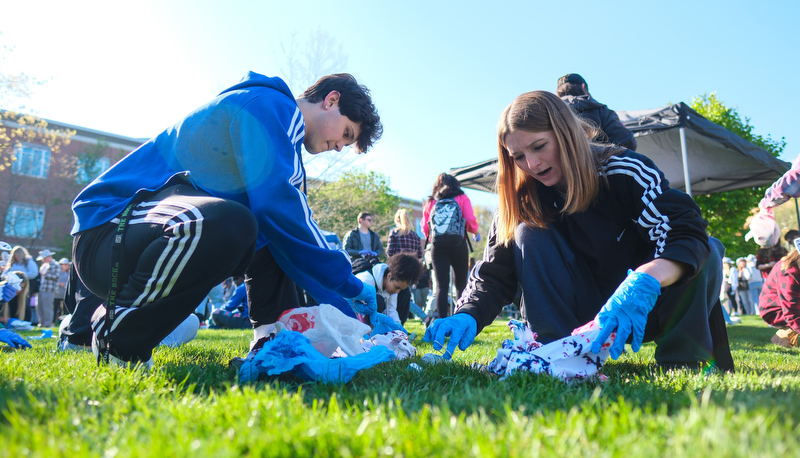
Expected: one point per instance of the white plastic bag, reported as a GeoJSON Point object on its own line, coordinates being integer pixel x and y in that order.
{"type": "Point", "coordinates": [326, 327]}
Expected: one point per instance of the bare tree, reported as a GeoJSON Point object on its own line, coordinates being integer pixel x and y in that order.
{"type": "Point", "coordinates": [304, 62]}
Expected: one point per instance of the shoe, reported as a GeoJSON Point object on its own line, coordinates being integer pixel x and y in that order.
{"type": "Point", "coordinates": [100, 345]}
{"type": "Point", "coordinates": [735, 320]}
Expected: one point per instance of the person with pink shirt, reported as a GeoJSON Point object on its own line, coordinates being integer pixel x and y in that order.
{"type": "Point", "coordinates": [446, 218]}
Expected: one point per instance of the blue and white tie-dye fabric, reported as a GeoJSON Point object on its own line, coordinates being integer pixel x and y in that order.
{"type": "Point", "coordinates": [567, 359]}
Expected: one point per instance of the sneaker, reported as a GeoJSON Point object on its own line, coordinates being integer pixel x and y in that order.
{"type": "Point", "coordinates": [735, 320]}
{"type": "Point", "coordinates": [100, 348]}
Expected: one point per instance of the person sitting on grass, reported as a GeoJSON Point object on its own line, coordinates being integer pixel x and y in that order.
{"type": "Point", "coordinates": [392, 278]}
{"type": "Point", "coordinates": [233, 315]}
{"type": "Point", "coordinates": [779, 302]}
{"type": "Point", "coordinates": [8, 290]}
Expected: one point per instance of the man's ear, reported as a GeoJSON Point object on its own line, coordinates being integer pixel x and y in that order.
{"type": "Point", "coordinates": [331, 99]}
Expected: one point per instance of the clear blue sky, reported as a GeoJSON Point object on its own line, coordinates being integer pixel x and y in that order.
{"type": "Point", "coordinates": [440, 72]}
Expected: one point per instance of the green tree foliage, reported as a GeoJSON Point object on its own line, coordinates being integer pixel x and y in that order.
{"type": "Point", "coordinates": [484, 217]}
{"type": "Point", "coordinates": [17, 128]}
{"type": "Point", "coordinates": [727, 212]}
{"type": "Point", "coordinates": [336, 204]}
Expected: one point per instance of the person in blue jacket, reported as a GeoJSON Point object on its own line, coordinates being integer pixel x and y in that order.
{"type": "Point", "coordinates": [222, 187]}
{"type": "Point", "coordinates": [233, 314]}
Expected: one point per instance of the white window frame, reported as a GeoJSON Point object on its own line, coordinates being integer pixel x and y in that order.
{"type": "Point", "coordinates": [31, 160]}
{"type": "Point", "coordinates": [82, 176]}
{"type": "Point", "coordinates": [24, 220]}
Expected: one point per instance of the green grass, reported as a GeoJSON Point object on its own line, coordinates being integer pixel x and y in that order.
{"type": "Point", "coordinates": [57, 404]}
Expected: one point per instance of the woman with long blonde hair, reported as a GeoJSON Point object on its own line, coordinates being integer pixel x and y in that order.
{"type": "Point", "coordinates": [591, 232]}
{"type": "Point", "coordinates": [403, 238]}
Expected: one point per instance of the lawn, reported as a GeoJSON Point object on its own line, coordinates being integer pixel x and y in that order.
{"type": "Point", "coordinates": [57, 404]}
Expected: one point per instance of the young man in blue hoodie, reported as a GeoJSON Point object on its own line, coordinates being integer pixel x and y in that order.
{"type": "Point", "coordinates": [216, 195]}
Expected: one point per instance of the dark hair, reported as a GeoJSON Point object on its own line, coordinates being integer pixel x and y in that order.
{"type": "Point", "coordinates": [571, 84]}
{"type": "Point", "coordinates": [363, 215]}
{"type": "Point", "coordinates": [446, 186]}
{"type": "Point", "coordinates": [570, 89]}
{"type": "Point", "coordinates": [405, 266]}
{"type": "Point", "coordinates": [354, 102]}
{"type": "Point", "coordinates": [791, 234]}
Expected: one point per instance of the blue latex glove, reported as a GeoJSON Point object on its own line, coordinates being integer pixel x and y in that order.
{"type": "Point", "coordinates": [13, 339]}
{"type": "Point", "coordinates": [476, 238]}
{"type": "Point", "coordinates": [365, 303]}
{"type": "Point", "coordinates": [626, 311]}
{"type": "Point", "coordinates": [365, 253]}
{"type": "Point", "coordinates": [9, 292]}
{"type": "Point", "coordinates": [461, 328]}
{"type": "Point", "coordinates": [381, 324]}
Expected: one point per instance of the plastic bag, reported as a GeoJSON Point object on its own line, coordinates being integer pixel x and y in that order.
{"type": "Point", "coordinates": [326, 327]}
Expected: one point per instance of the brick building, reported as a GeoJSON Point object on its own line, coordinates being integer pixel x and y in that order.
{"type": "Point", "coordinates": [39, 187]}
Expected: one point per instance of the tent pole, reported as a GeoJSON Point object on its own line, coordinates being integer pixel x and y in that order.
{"type": "Point", "coordinates": [685, 157]}
{"type": "Point", "coordinates": [797, 210]}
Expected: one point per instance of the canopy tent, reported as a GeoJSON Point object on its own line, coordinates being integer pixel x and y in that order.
{"type": "Point", "coordinates": [684, 145]}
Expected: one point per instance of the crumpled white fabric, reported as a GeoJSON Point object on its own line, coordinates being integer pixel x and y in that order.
{"type": "Point", "coordinates": [396, 341]}
{"type": "Point", "coordinates": [567, 359]}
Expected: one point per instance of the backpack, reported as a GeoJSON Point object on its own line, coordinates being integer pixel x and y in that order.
{"type": "Point", "coordinates": [364, 264]}
{"type": "Point", "coordinates": [447, 223]}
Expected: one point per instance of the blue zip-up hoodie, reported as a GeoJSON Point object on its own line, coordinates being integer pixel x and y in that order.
{"type": "Point", "coordinates": [244, 146]}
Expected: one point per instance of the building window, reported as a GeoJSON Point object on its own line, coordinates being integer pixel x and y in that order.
{"type": "Point", "coordinates": [89, 168]}
{"type": "Point", "coordinates": [31, 160]}
{"type": "Point", "coordinates": [24, 220]}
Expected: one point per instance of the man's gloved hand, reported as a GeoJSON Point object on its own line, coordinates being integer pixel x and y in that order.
{"type": "Point", "coordinates": [367, 253]}
{"type": "Point", "coordinates": [13, 339]}
{"type": "Point", "coordinates": [365, 303]}
{"type": "Point", "coordinates": [9, 291]}
{"type": "Point", "coordinates": [626, 311]}
{"type": "Point", "coordinates": [476, 238]}
{"type": "Point", "coordinates": [461, 328]}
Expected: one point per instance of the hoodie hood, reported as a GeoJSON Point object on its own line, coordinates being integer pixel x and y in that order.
{"type": "Point", "coordinates": [253, 79]}
{"type": "Point", "coordinates": [582, 102]}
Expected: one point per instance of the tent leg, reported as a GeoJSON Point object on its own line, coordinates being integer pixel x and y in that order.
{"type": "Point", "coordinates": [685, 157]}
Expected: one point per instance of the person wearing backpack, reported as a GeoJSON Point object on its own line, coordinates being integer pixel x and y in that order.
{"type": "Point", "coordinates": [447, 216]}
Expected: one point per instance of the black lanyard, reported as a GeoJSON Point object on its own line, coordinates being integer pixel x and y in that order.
{"type": "Point", "coordinates": [117, 252]}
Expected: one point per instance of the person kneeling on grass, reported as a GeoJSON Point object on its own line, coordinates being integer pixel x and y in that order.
{"type": "Point", "coordinates": [224, 185]}
{"type": "Point", "coordinates": [779, 303]}
{"type": "Point", "coordinates": [592, 230]}
{"type": "Point", "coordinates": [392, 279]}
